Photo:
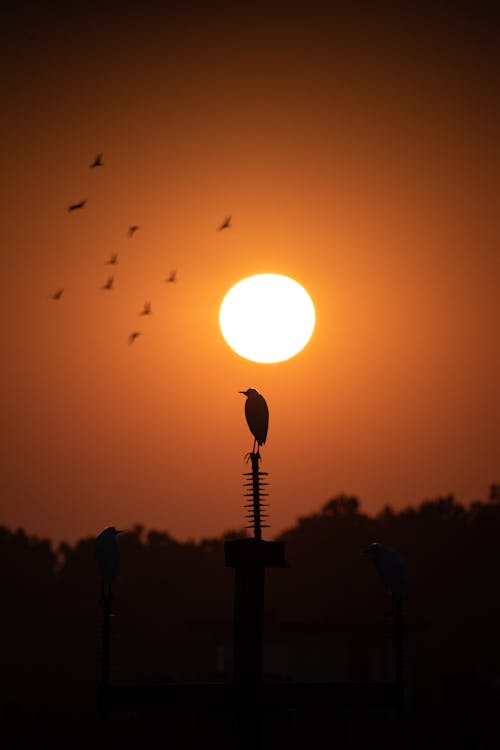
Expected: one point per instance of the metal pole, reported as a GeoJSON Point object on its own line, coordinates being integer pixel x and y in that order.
{"type": "Point", "coordinates": [399, 647]}
{"type": "Point", "coordinates": [250, 557]}
{"type": "Point", "coordinates": [256, 496]}
{"type": "Point", "coordinates": [247, 651]}
{"type": "Point", "coordinates": [248, 623]}
{"type": "Point", "coordinates": [256, 509]}
{"type": "Point", "coordinates": [106, 617]}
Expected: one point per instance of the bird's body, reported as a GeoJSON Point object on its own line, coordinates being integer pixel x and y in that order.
{"type": "Point", "coordinates": [225, 224]}
{"type": "Point", "coordinates": [113, 260]}
{"type": "Point", "coordinates": [109, 283]}
{"type": "Point", "coordinates": [132, 337]}
{"type": "Point", "coordinates": [98, 162]}
{"type": "Point", "coordinates": [146, 310]}
{"type": "Point", "coordinates": [257, 416]}
{"type": "Point", "coordinates": [57, 294]}
{"type": "Point", "coordinates": [107, 554]}
{"type": "Point", "coordinates": [171, 277]}
{"type": "Point", "coordinates": [132, 230]}
{"type": "Point", "coordinates": [76, 206]}
{"type": "Point", "coordinates": [391, 568]}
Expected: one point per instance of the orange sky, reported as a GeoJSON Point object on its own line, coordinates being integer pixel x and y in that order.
{"type": "Point", "coordinates": [357, 152]}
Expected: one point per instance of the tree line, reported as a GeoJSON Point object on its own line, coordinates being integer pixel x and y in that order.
{"type": "Point", "coordinates": [173, 601]}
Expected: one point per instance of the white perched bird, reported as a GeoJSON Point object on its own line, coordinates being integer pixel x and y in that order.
{"type": "Point", "coordinates": [257, 416]}
{"type": "Point", "coordinates": [391, 569]}
{"type": "Point", "coordinates": [107, 553]}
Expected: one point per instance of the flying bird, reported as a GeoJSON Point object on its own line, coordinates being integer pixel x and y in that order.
{"type": "Point", "coordinates": [391, 569]}
{"type": "Point", "coordinates": [172, 277]}
{"type": "Point", "coordinates": [57, 294]}
{"type": "Point", "coordinates": [76, 206]}
{"type": "Point", "coordinates": [225, 224]}
{"type": "Point", "coordinates": [107, 554]}
{"type": "Point", "coordinates": [109, 283]}
{"type": "Point", "coordinates": [257, 416]}
{"type": "Point", "coordinates": [98, 162]}
{"type": "Point", "coordinates": [113, 260]}
{"type": "Point", "coordinates": [133, 336]}
{"type": "Point", "coordinates": [146, 310]}
{"type": "Point", "coordinates": [132, 230]}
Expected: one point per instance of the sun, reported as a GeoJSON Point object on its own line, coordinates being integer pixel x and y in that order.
{"type": "Point", "coordinates": [267, 318]}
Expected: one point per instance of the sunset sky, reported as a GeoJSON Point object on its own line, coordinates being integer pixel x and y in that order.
{"type": "Point", "coordinates": [357, 152]}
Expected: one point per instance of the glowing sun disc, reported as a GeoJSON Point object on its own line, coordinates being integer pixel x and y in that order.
{"type": "Point", "coordinates": [267, 317]}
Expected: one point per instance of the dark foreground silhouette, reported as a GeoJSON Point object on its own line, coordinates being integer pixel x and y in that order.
{"type": "Point", "coordinates": [327, 618]}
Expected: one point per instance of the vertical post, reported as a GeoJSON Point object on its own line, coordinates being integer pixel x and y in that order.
{"type": "Point", "coordinates": [248, 617]}
{"type": "Point", "coordinates": [256, 509]}
{"type": "Point", "coordinates": [250, 558]}
{"type": "Point", "coordinates": [399, 648]}
{"type": "Point", "coordinates": [257, 529]}
{"type": "Point", "coordinates": [106, 617]}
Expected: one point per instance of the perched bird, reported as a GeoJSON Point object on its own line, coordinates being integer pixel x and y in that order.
{"type": "Point", "coordinates": [132, 337]}
{"type": "Point", "coordinates": [225, 224]}
{"type": "Point", "coordinates": [146, 310]}
{"type": "Point", "coordinates": [98, 162]}
{"type": "Point", "coordinates": [392, 570]}
{"type": "Point", "coordinates": [257, 416]}
{"type": "Point", "coordinates": [75, 206]}
{"type": "Point", "coordinates": [132, 230]}
{"type": "Point", "coordinates": [57, 294]}
{"type": "Point", "coordinates": [172, 277]}
{"type": "Point", "coordinates": [113, 260]}
{"type": "Point", "coordinates": [109, 283]}
{"type": "Point", "coordinates": [107, 554]}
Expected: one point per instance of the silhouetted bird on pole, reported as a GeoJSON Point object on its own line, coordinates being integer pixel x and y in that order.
{"type": "Point", "coordinates": [98, 162]}
{"type": "Point", "coordinates": [257, 416]}
{"type": "Point", "coordinates": [107, 554]}
{"type": "Point", "coordinates": [391, 568]}
{"type": "Point", "coordinates": [225, 224]}
{"type": "Point", "coordinates": [393, 572]}
{"type": "Point", "coordinates": [76, 206]}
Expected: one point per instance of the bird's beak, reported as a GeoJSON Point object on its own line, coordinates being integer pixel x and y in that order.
{"type": "Point", "coordinates": [120, 531]}
{"type": "Point", "coordinates": [243, 392]}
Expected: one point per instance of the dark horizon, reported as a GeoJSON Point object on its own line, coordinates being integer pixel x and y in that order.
{"type": "Point", "coordinates": [327, 617]}
{"type": "Point", "coordinates": [492, 494]}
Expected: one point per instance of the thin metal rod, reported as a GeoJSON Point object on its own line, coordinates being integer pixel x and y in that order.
{"type": "Point", "coordinates": [257, 530]}
{"type": "Point", "coordinates": [399, 643]}
{"type": "Point", "coordinates": [106, 617]}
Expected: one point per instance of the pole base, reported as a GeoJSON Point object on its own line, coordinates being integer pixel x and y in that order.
{"type": "Point", "coordinates": [250, 553]}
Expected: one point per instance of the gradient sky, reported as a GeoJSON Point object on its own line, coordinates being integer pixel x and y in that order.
{"type": "Point", "coordinates": [357, 151]}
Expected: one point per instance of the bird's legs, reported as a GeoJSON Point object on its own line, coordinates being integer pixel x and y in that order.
{"type": "Point", "coordinates": [396, 606]}
{"type": "Point", "coordinates": [253, 452]}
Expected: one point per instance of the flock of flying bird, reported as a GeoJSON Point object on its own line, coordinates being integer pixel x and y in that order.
{"type": "Point", "coordinates": [113, 260]}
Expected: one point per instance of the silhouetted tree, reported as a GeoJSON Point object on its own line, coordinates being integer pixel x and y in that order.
{"type": "Point", "coordinates": [172, 600]}
{"type": "Point", "coordinates": [343, 505]}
